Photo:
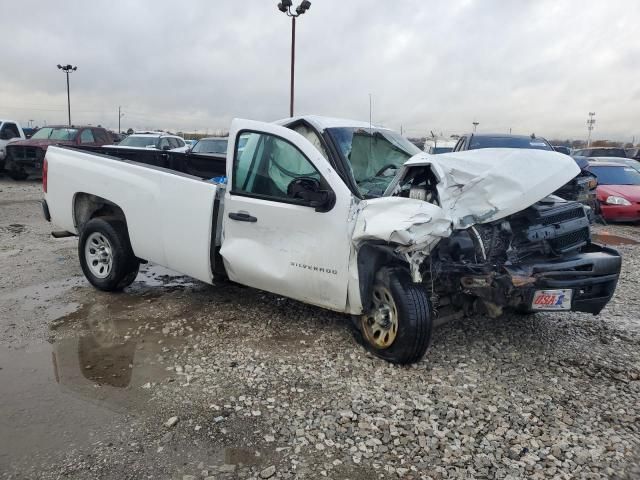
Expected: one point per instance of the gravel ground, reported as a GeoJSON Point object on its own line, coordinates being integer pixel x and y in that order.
{"type": "Point", "coordinates": [177, 379]}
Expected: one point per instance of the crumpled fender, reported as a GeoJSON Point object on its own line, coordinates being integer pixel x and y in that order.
{"type": "Point", "coordinates": [402, 221]}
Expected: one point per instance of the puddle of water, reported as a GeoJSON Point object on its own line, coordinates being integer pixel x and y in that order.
{"type": "Point", "coordinates": [152, 275]}
{"type": "Point", "coordinates": [613, 240]}
{"type": "Point", "coordinates": [38, 416]}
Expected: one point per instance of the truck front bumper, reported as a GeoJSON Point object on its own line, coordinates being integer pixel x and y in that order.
{"type": "Point", "coordinates": [592, 277]}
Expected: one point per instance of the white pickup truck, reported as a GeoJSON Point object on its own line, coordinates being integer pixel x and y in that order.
{"type": "Point", "coordinates": [347, 217]}
{"type": "Point", "coordinates": [9, 130]}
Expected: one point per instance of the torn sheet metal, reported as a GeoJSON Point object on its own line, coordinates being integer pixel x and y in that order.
{"type": "Point", "coordinates": [485, 185]}
{"type": "Point", "coordinates": [412, 224]}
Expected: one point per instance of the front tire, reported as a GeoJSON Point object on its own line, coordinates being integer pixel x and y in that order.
{"type": "Point", "coordinates": [17, 175]}
{"type": "Point", "coordinates": [105, 253]}
{"type": "Point", "coordinates": [399, 324]}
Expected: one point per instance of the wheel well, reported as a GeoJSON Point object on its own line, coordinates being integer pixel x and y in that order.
{"type": "Point", "coordinates": [87, 206]}
{"type": "Point", "coordinates": [371, 258]}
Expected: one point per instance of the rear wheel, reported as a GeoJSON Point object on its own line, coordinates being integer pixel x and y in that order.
{"type": "Point", "coordinates": [106, 257]}
{"type": "Point", "coordinates": [398, 326]}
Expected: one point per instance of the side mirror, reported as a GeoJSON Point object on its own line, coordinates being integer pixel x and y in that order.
{"type": "Point", "coordinates": [310, 190]}
{"type": "Point", "coordinates": [166, 147]}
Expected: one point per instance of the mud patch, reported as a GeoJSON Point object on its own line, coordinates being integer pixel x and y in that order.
{"type": "Point", "coordinates": [15, 229]}
{"type": "Point", "coordinates": [613, 240]}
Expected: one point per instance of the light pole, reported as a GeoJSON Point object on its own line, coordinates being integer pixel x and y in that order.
{"type": "Point", "coordinates": [120, 115]}
{"type": "Point", "coordinates": [590, 123]}
{"type": "Point", "coordinates": [68, 69]}
{"type": "Point", "coordinates": [285, 7]}
{"type": "Point", "coordinates": [475, 126]}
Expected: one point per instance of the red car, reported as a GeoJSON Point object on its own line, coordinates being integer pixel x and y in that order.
{"type": "Point", "coordinates": [25, 157]}
{"type": "Point", "coordinates": [618, 191]}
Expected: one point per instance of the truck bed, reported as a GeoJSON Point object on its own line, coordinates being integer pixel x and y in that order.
{"type": "Point", "coordinates": [202, 166]}
{"type": "Point", "coordinates": [171, 216]}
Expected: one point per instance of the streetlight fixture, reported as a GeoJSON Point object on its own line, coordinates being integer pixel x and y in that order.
{"type": "Point", "coordinates": [68, 69]}
{"type": "Point", "coordinates": [285, 7]}
{"type": "Point", "coordinates": [475, 126]}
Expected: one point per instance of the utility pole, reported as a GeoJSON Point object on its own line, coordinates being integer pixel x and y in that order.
{"type": "Point", "coordinates": [68, 69]}
{"type": "Point", "coordinates": [590, 123]}
{"type": "Point", "coordinates": [120, 115]}
{"type": "Point", "coordinates": [285, 7]}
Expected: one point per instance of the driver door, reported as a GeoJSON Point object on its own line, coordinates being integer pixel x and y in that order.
{"type": "Point", "coordinates": [275, 239]}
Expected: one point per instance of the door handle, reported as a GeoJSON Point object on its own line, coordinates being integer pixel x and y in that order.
{"type": "Point", "coordinates": [242, 217]}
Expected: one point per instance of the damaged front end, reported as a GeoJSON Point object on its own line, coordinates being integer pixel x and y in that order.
{"type": "Point", "coordinates": [483, 233]}
{"type": "Point", "coordinates": [528, 262]}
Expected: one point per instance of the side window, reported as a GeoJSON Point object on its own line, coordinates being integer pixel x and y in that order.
{"type": "Point", "coordinates": [265, 165]}
{"type": "Point", "coordinates": [179, 142]}
{"type": "Point", "coordinates": [9, 131]}
{"type": "Point", "coordinates": [173, 143]}
{"type": "Point", "coordinates": [102, 136]}
{"type": "Point", "coordinates": [164, 142]}
{"type": "Point", "coordinates": [87, 136]}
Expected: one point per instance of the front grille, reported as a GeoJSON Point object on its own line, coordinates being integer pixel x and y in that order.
{"type": "Point", "coordinates": [563, 216]}
{"type": "Point", "coordinates": [25, 153]}
{"type": "Point", "coordinates": [570, 240]}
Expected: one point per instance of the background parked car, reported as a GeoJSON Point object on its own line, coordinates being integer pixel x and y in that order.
{"type": "Point", "coordinates": [25, 157]}
{"type": "Point", "coordinates": [439, 146]}
{"type": "Point", "coordinates": [154, 141]}
{"type": "Point", "coordinates": [601, 152]}
{"type": "Point", "coordinates": [580, 189]}
{"type": "Point", "coordinates": [211, 145]}
{"type": "Point", "coordinates": [474, 141]}
{"type": "Point", "coordinates": [9, 130]}
{"type": "Point", "coordinates": [629, 162]}
{"type": "Point", "coordinates": [633, 153]}
{"type": "Point", "coordinates": [562, 149]}
{"type": "Point", "coordinates": [618, 191]}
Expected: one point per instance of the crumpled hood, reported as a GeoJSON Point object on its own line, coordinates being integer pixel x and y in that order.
{"type": "Point", "coordinates": [485, 185]}
{"type": "Point", "coordinates": [476, 186]}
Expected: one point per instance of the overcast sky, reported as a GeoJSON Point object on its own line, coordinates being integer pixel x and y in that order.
{"type": "Point", "coordinates": [533, 66]}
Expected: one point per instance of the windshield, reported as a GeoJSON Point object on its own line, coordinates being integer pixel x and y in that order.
{"type": "Point", "coordinates": [509, 142]}
{"type": "Point", "coordinates": [49, 133]}
{"type": "Point", "coordinates": [140, 141]}
{"type": "Point", "coordinates": [616, 175]}
{"type": "Point", "coordinates": [210, 146]}
{"type": "Point", "coordinates": [437, 150]}
{"type": "Point", "coordinates": [374, 156]}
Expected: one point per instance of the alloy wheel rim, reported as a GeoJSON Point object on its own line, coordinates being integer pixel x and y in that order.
{"type": "Point", "coordinates": [380, 325]}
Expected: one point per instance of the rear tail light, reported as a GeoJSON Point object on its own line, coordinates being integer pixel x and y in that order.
{"type": "Point", "coordinates": [45, 170]}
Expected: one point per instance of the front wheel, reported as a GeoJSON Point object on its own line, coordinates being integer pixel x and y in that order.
{"type": "Point", "coordinates": [17, 175]}
{"type": "Point", "coordinates": [398, 326]}
{"type": "Point", "coordinates": [106, 257]}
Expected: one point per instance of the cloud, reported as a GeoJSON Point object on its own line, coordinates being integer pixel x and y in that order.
{"type": "Point", "coordinates": [529, 66]}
